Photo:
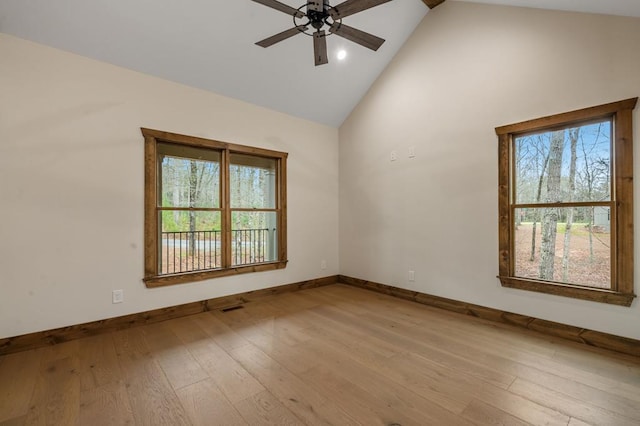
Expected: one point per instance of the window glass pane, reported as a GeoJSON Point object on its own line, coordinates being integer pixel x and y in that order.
{"type": "Point", "coordinates": [190, 177]}
{"type": "Point", "coordinates": [189, 241]}
{"type": "Point", "coordinates": [253, 237]}
{"type": "Point", "coordinates": [567, 165]}
{"type": "Point", "coordinates": [253, 182]}
{"type": "Point", "coordinates": [567, 245]}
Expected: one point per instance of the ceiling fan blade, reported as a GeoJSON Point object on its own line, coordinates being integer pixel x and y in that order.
{"type": "Point", "coordinates": [362, 38]}
{"type": "Point", "coordinates": [282, 8]}
{"type": "Point", "coordinates": [320, 48]}
{"type": "Point", "coordinates": [350, 7]}
{"type": "Point", "coordinates": [269, 41]}
{"type": "Point", "coordinates": [433, 3]}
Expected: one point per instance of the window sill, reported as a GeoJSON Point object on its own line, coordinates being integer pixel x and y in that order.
{"type": "Point", "coordinates": [188, 277]}
{"type": "Point", "coordinates": [576, 292]}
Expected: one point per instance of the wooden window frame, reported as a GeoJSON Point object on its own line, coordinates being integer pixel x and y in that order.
{"type": "Point", "coordinates": [622, 288]}
{"type": "Point", "coordinates": [152, 278]}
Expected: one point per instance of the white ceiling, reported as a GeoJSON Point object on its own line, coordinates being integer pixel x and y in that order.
{"type": "Point", "coordinates": [209, 44]}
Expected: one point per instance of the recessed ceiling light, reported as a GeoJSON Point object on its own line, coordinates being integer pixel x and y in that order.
{"type": "Point", "coordinates": [341, 54]}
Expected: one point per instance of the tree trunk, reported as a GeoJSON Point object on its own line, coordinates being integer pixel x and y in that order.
{"type": "Point", "coordinates": [573, 138]}
{"type": "Point", "coordinates": [193, 192]}
{"type": "Point", "coordinates": [536, 217]}
{"type": "Point", "coordinates": [591, 217]}
{"type": "Point", "coordinates": [550, 215]}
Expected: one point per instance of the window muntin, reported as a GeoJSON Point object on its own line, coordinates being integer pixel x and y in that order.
{"type": "Point", "coordinates": [192, 232]}
{"type": "Point", "coordinates": [575, 171]}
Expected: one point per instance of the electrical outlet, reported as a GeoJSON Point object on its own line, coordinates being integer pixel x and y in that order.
{"type": "Point", "coordinates": [117, 296]}
{"type": "Point", "coordinates": [412, 275]}
{"type": "Point", "coordinates": [323, 264]}
{"type": "Point", "coordinates": [394, 155]}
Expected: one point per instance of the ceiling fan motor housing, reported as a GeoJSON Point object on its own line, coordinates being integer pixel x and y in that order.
{"type": "Point", "coordinates": [318, 5]}
{"type": "Point", "coordinates": [317, 12]}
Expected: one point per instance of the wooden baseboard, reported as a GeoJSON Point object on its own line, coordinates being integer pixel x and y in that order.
{"type": "Point", "coordinates": [581, 335]}
{"type": "Point", "coordinates": [51, 337]}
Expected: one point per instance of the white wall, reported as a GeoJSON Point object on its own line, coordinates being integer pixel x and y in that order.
{"type": "Point", "coordinates": [72, 181]}
{"type": "Point", "coordinates": [467, 69]}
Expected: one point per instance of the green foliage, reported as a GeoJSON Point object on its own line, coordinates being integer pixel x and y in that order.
{"type": "Point", "coordinates": [577, 228]}
{"type": "Point", "coordinates": [180, 221]}
{"type": "Point", "coordinates": [194, 182]}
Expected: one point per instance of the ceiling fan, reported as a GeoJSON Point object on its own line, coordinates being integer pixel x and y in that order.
{"type": "Point", "coordinates": [323, 17]}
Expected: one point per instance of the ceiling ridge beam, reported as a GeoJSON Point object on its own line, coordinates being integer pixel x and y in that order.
{"type": "Point", "coordinates": [433, 3]}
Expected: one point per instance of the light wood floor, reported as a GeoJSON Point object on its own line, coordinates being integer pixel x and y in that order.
{"type": "Point", "coordinates": [332, 355]}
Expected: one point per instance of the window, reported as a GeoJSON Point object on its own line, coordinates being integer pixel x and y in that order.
{"type": "Point", "coordinates": [211, 209]}
{"type": "Point", "coordinates": [566, 204]}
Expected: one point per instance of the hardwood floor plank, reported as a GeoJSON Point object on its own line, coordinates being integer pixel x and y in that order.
{"type": "Point", "coordinates": [206, 405]}
{"type": "Point", "coordinates": [455, 390]}
{"type": "Point", "coordinates": [445, 322]}
{"type": "Point", "coordinates": [286, 354]}
{"type": "Point", "coordinates": [260, 317]}
{"type": "Point", "coordinates": [56, 394]}
{"type": "Point", "coordinates": [623, 368]}
{"type": "Point", "coordinates": [596, 397]}
{"type": "Point", "coordinates": [175, 360]}
{"type": "Point", "coordinates": [481, 413]}
{"type": "Point", "coordinates": [576, 422]}
{"type": "Point", "coordinates": [277, 341]}
{"type": "Point", "coordinates": [358, 402]}
{"type": "Point", "coordinates": [391, 393]}
{"type": "Point", "coordinates": [152, 398]}
{"type": "Point", "coordinates": [232, 378]}
{"type": "Point", "coordinates": [188, 330]}
{"type": "Point", "coordinates": [18, 374]}
{"type": "Point", "coordinates": [227, 374]}
{"type": "Point", "coordinates": [327, 326]}
{"type": "Point", "coordinates": [106, 405]}
{"type": "Point", "coordinates": [292, 392]}
{"type": "Point", "coordinates": [265, 409]}
{"type": "Point", "coordinates": [518, 362]}
{"type": "Point", "coordinates": [294, 302]}
{"type": "Point", "coordinates": [432, 382]}
{"type": "Point", "coordinates": [98, 362]}
{"type": "Point", "coordinates": [16, 421]}
{"type": "Point", "coordinates": [589, 412]}
{"type": "Point", "coordinates": [524, 364]}
{"type": "Point", "coordinates": [454, 360]}
{"type": "Point", "coordinates": [221, 333]}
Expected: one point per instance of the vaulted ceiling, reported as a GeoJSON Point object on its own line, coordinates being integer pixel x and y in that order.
{"type": "Point", "coordinates": [210, 44]}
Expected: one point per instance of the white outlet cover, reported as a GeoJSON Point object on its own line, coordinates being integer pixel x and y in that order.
{"type": "Point", "coordinates": [117, 296]}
